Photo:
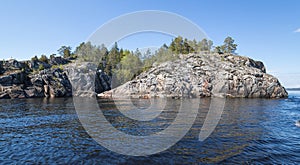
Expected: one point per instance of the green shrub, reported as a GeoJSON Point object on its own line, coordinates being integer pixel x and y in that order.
{"type": "Point", "coordinates": [44, 58]}
{"type": "Point", "coordinates": [222, 58]}
{"type": "Point", "coordinates": [41, 67]}
{"type": "Point", "coordinates": [57, 66]}
{"type": "Point", "coordinates": [34, 58]}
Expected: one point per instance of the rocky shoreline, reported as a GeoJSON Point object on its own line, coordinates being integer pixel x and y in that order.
{"type": "Point", "coordinates": [192, 75]}
{"type": "Point", "coordinates": [23, 80]}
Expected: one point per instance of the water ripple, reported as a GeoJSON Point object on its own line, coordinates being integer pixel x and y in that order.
{"type": "Point", "coordinates": [251, 131]}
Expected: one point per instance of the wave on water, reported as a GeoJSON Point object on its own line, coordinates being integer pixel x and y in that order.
{"type": "Point", "coordinates": [297, 123]}
{"type": "Point", "coordinates": [35, 121]}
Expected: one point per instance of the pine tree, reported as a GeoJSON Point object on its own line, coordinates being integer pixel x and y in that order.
{"type": "Point", "coordinates": [229, 45]}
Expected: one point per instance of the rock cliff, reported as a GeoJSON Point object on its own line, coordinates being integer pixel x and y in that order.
{"type": "Point", "coordinates": [22, 80]}
{"type": "Point", "coordinates": [197, 75]}
{"type": "Point", "coordinates": [46, 83]}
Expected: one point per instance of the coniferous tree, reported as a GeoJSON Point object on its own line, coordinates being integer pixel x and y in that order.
{"type": "Point", "coordinates": [65, 51]}
{"type": "Point", "coordinates": [229, 46]}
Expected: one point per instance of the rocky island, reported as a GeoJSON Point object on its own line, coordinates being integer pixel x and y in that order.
{"type": "Point", "coordinates": [200, 75]}
{"type": "Point", "coordinates": [183, 69]}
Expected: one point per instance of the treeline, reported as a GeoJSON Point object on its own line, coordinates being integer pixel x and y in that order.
{"type": "Point", "coordinates": [185, 46]}
{"type": "Point", "coordinates": [124, 64]}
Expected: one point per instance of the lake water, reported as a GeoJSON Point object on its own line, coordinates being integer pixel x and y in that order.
{"type": "Point", "coordinates": [254, 131]}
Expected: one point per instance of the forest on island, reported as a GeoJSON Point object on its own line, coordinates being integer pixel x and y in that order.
{"type": "Point", "coordinates": [126, 64]}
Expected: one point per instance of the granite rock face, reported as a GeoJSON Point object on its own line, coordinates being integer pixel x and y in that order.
{"type": "Point", "coordinates": [197, 75]}
{"type": "Point", "coordinates": [46, 83]}
{"type": "Point", "coordinates": [59, 77]}
{"type": "Point", "coordinates": [86, 80]}
{"type": "Point", "coordinates": [59, 61]}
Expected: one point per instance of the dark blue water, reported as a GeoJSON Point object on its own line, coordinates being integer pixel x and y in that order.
{"type": "Point", "coordinates": [251, 131]}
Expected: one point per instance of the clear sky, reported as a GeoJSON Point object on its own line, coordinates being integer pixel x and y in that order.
{"type": "Point", "coordinates": [266, 30]}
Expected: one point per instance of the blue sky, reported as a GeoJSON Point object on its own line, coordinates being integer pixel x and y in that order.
{"type": "Point", "coordinates": [264, 30]}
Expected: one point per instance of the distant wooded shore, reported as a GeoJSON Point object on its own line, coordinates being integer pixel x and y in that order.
{"type": "Point", "coordinates": [293, 89]}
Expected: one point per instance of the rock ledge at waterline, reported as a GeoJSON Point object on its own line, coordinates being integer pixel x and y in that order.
{"type": "Point", "coordinates": [207, 75]}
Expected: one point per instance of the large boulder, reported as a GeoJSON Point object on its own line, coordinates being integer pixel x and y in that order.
{"type": "Point", "coordinates": [86, 80]}
{"type": "Point", "coordinates": [54, 83]}
{"type": "Point", "coordinates": [13, 64]}
{"type": "Point", "coordinates": [33, 92]}
{"type": "Point", "coordinates": [16, 78]}
{"type": "Point", "coordinates": [12, 92]}
{"type": "Point", "coordinates": [82, 77]}
{"type": "Point", "coordinates": [48, 83]}
{"type": "Point", "coordinates": [102, 82]}
{"type": "Point", "coordinates": [58, 61]}
{"type": "Point", "coordinates": [197, 75]}
{"type": "Point", "coordinates": [4, 95]}
{"type": "Point", "coordinates": [35, 65]}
